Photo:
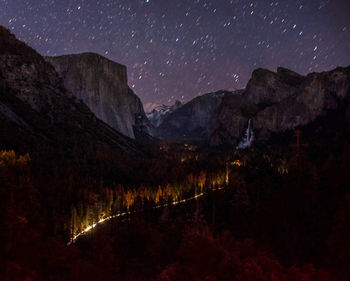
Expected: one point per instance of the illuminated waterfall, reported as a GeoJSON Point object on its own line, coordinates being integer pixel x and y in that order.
{"type": "Point", "coordinates": [248, 138]}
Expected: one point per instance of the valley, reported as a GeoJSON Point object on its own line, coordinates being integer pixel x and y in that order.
{"type": "Point", "coordinates": [250, 184]}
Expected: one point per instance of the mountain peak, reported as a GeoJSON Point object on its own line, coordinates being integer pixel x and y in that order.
{"type": "Point", "coordinates": [159, 112]}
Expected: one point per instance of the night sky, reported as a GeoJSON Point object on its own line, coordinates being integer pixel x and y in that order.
{"type": "Point", "coordinates": [178, 49]}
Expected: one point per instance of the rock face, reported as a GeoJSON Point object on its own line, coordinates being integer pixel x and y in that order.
{"type": "Point", "coordinates": [35, 107]}
{"type": "Point", "coordinates": [102, 85]}
{"type": "Point", "coordinates": [277, 102]}
{"type": "Point", "coordinates": [192, 121]}
{"type": "Point", "coordinates": [160, 112]}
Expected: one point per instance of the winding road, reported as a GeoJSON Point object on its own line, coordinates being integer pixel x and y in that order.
{"type": "Point", "coordinates": [106, 219]}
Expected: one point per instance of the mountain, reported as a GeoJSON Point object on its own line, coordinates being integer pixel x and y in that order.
{"type": "Point", "coordinates": [278, 102]}
{"type": "Point", "coordinates": [102, 85]}
{"type": "Point", "coordinates": [149, 106]}
{"type": "Point", "coordinates": [160, 112]}
{"type": "Point", "coordinates": [192, 121]}
{"type": "Point", "coordinates": [36, 109]}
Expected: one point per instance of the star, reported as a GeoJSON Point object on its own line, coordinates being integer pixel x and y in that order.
{"type": "Point", "coordinates": [185, 48]}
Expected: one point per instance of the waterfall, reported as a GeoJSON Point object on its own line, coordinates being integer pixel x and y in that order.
{"type": "Point", "coordinates": [248, 138]}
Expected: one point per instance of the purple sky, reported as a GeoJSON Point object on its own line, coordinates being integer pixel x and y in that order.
{"type": "Point", "coordinates": [179, 49]}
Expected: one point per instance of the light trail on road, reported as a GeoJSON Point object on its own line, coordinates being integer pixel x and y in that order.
{"type": "Point", "coordinates": [103, 220]}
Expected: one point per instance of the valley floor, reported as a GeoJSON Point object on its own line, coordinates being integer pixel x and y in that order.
{"type": "Point", "coordinates": [192, 213]}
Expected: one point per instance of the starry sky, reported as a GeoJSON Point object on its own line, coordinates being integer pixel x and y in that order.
{"type": "Point", "coordinates": [178, 49]}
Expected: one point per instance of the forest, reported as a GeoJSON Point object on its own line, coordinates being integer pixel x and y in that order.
{"type": "Point", "coordinates": [263, 213]}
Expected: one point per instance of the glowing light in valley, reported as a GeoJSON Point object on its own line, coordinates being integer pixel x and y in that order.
{"type": "Point", "coordinates": [236, 163]}
{"type": "Point", "coordinates": [103, 220]}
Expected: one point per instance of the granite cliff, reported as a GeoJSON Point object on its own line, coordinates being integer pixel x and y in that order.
{"type": "Point", "coordinates": [36, 109]}
{"type": "Point", "coordinates": [102, 85]}
{"type": "Point", "coordinates": [278, 102]}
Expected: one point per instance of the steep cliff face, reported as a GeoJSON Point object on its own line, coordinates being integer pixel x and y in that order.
{"type": "Point", "coordinates": [35, 108]}
{"type": "Point", "coordinates": [102, 85]}
{"type": "Point", "coordinates": [193, 119]}
{"type": "Point", "coordinates": [266, 87]}
{"type": "Point", "coordinates": [277, 102]}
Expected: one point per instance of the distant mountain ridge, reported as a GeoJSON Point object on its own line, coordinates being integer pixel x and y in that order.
{"type": "Point", "coordinates": [272, 102]}
{"type": "Point", "coordinates": [160, 112]}
{"type": "Point", "coordinates": [35, 106]}
{"type": "Point", "coordinates": [192, 121]}
{"type": "Point", "coordinates": [103, 86]}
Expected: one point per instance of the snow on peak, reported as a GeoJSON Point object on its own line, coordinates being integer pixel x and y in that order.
{"type": "Point", "coordinates": [160, 112]}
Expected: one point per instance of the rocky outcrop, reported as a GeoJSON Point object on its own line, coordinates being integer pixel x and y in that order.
{"type": "Point", "coordinates": [192, 121]}
{"type": "Point", "coordinates": [102, 85]}
{"type": "Point", "coordinates": [35, 107]}
{"type": "Point", "coordinates": [161, 112]}
{"type": "Point", "coordinates": [281, 101]}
